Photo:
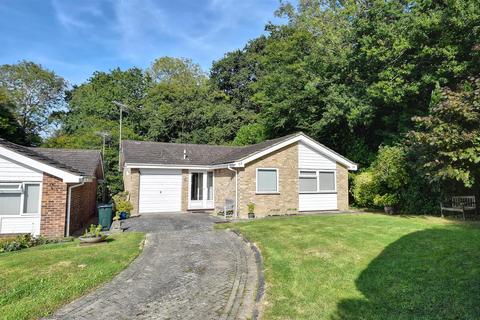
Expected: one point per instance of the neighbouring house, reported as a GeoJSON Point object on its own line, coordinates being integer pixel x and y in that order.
{"type": "Point", "coordinates": [281, 176]}
{"type": "Point", "coordinates": [48, 192]}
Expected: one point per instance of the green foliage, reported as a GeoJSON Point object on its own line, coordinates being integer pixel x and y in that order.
{"type": "Point", "coordinates": [382, 183]}
{"type": "Point", "coordinates": [446, 141]}
{"type": "Point", "coordinates": [10, 129]}
{"type": "Point", "coordinates": [251, 207]}
{"type": "Point", "coordinates": [365, 188]}
{"type": "Point", "coordinates": [34, 93]}
{"type": "Point", "coordinates": [387, 199]}
{"type": "Point", "coordinates": [25, 241]}
{"type": "Point", "coordinates": [250, 134]}
{"type": "Point", "coordinates": [122, 204]}
{"type": "Point", "coordinates": [94, 231]}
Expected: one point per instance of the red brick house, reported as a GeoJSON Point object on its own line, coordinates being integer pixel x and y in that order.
{"type": "Point", "coordinates": [48, 192]}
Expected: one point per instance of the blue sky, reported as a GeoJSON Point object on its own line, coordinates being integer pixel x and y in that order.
{"type": "Point", "coordinates": [77, 37]}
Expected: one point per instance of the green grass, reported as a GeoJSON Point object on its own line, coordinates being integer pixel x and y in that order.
{"type": "Point", "coordinates": [368, 266]}
{"type": "Point", "coordinates": [36, 281]}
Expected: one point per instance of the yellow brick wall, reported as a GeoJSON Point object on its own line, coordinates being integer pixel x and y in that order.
{"type": "Point", "coordinates": [224, 184]}
{"type": "Point", "coordinates": [342, 187]}
{"type": "Point", "coordinates": [131, 183]}
{"type": "Point", "coordinates": [185, 181]}
{"type": "Point", "coordinates": [286, 201]}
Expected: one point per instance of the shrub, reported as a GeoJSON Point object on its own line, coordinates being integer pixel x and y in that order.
{"type": "Point", "coordinates": [21, 242]}
{"type": "Point", "coordinates": [365, 187]}
{"type": "Point", "coordinates": [122, 204]}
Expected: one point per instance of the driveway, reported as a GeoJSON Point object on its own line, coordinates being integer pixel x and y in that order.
{"type": "Point", "coordinates": [187, 270]}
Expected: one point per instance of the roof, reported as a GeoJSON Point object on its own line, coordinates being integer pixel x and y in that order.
{"type": "Point", "coordinates": [75, 161]}
{"type": "Point", "coordinates": [162, 153]}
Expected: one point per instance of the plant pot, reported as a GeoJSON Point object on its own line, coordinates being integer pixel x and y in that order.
{"type": "Point", "coordinates": [389, 209]}
{"type": "Point", "coordinates": [251, 215]}
{"type": "Point", "coordinates": [91, 239]}
{"type": "Point", "coordinates": [123, 215]}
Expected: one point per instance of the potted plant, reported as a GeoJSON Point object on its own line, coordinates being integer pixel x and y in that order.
{"type": "Point", "coordinates": [123, 206]}
{"type": "Point", "coordinates": [389, 202]}
{"type": "Point", "coordinates": [251, 210]}
{"type": "Point", "coordinates": [93, 235]}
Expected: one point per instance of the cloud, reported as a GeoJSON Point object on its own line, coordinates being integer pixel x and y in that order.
{"type": "Point", "coordinates": [77, 15]}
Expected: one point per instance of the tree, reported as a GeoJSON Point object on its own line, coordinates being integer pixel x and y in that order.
{"type": "Point", "coordinates": [446, 142]}
{"type": "Point", "coordinates": [9, 127]}
{"type": "Point", "coordinates": [35, 92]}
{"type": "Point", "coordinates": [176, 70]}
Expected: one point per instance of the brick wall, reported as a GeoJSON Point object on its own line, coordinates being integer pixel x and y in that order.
{"type": "Point", "coordinates": [286, 201]}
{"type": "Point", "coordinates": [84, 205]}
{"type": "Point", "coordinates": [224, 183]}
{"type": "Point", "coordinates": [131, 183]}
{"type": "Point", "coordinates": [185, 195]}
{"type": "Point", "coordinates": [342, 187]}
{"type": "Point", "coordinates": [54, 206]}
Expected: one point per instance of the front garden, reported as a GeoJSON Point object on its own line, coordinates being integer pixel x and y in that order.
{"type": "Point", "coordinates": [368, 266]}
{"type": "Point", "coordinates": [36, 281]}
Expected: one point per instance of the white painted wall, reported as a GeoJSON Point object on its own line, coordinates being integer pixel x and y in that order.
{"type": "Point", "coordinates": [160, 190]}
{"type": "Point", "coordinates": [317, 201]}
{"type": "Point", "coordinates": [20, 224]}
{"type": "Point", "coordinates": [14, 172]}
{"type": "Point", "coordinates": [312, 159]}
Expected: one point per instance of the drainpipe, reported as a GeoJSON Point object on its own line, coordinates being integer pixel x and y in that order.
{"type": "Point", "coordinates": [69, 204]}
{"type": "Point", "coordinates": [236, 191]}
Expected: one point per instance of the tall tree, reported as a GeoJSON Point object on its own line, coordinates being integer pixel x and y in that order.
{"type": "Point", "coordinates": [35, 92]}
{"type": "Point", "coordinates": [9, 127]}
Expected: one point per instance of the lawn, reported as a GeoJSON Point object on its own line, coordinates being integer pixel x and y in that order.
{"type": "Point", "coordinates": [36, 281]}
{"type": "Point", "coordinates": [368, 266]}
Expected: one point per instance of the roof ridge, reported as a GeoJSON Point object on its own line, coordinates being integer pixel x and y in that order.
{"type": "Point", "coordinates": [186, 144]}
{"type": "Point", "coordinates": [64, 149]}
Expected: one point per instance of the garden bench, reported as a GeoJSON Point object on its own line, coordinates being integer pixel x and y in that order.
{"type": "Point", "coordinates": [228, 208]}
{"type": "Point", "coordinates": [459, 204]}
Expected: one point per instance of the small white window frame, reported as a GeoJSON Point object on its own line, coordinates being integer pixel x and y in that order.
{"type": "Point", "coordinates": [256, 181]}
{"type": "Point", "coordinates": [21, 190]}
{"type": "Point", "coordinates": [317, 173]}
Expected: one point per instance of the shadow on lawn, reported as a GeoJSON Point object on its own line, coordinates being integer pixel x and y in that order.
{"type": "Point", "coordinates": [430, 274]}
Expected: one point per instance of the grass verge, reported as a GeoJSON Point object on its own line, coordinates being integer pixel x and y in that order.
{"type": "Point", "coordinates": [36, 281]}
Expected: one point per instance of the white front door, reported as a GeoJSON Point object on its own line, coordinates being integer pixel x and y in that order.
{"type": "Point", "coordinates": [200, 190]}
{"type": "Point", "coordinates": [160, 190]}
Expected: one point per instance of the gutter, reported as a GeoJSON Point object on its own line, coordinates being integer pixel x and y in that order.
{"type": "Point", "coordinates": [69, 205]}
{"type": "Point", "coordinates": [236, 191]}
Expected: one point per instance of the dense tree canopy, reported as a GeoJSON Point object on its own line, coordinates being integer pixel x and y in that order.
{"type": "Point", "coordinates": [356, 75]}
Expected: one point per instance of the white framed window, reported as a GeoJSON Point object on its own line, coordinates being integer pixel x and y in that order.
{"type": "Point", "coordinates": [20, 198]}
{"type": "Point", "coordinates": [317, 181]}
{"type": "Point", "coordinates": [267, 180]}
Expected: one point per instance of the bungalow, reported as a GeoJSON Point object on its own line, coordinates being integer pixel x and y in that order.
{"type": "Point", "coordinates": [286, 175]}
{"type": "Point", "coordinates": [48, 192]}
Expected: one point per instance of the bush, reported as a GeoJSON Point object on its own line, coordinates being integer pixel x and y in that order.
{"type": "Point", "coordinates": [122, 204]}
{"type": "Point", "coordinates": [365, 187]}
{"type": "Point", "coordinates": [21, 242]}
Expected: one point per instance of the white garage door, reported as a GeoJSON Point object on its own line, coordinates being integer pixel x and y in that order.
{"type": "Point", "coordinates": [160, 190]}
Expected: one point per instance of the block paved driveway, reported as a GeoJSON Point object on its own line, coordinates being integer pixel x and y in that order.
{"type": "Point", "coordinates": [186, 271]}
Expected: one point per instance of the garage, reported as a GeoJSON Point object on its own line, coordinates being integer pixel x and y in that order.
{"type": "Point", "coordinates": [160, 190]}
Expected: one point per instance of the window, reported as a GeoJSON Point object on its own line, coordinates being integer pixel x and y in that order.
{"type": "Point", "coordinates": [196, 186]}
{"type": "Point", "coordinates": [308, 181]}
{"type": "Point", "coordinates": [31, 198]}
{"type": "Point", "coordinates": [17, 198]}
{"type": "Point", "coordinates": [316, 181]}
{"type": "Point", "coordinates": [267, 180]}
{"type": "Point", "coordinates": [326, 181]}
{"type": "Point", "coordinates": [210, 185]}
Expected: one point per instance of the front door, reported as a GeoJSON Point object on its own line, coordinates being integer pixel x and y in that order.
{"type": "Point", "coordinates": [201, 190]}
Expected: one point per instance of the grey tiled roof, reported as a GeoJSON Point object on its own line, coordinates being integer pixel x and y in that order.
{"type": "Point", "coordinates": [76, 161]}
{"type": "Point", "coordinates": [144, 152]}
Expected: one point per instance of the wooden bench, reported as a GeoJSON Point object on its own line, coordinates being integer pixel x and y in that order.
{"type": "Point", "coordinates": [459, 204]}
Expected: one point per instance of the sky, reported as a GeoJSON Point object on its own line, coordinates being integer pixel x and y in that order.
{"type": "Point", "coordinates": [74, 38]}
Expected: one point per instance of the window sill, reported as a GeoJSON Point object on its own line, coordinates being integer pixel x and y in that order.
{"type": "Point", "coordinates": [259, 192]}
{"type": "Point", "coordinates": [317, 192]}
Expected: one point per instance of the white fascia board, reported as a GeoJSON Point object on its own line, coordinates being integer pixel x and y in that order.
{"type": "Point", "coordinates": [172, 166]}
{"type": "Point", "coordinates": [308, 141]}
{"type": "Point", "coordinates": [67, 177]}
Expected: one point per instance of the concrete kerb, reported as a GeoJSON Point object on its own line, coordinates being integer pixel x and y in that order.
{"type": "Point", "coordinates": [260, 294]}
